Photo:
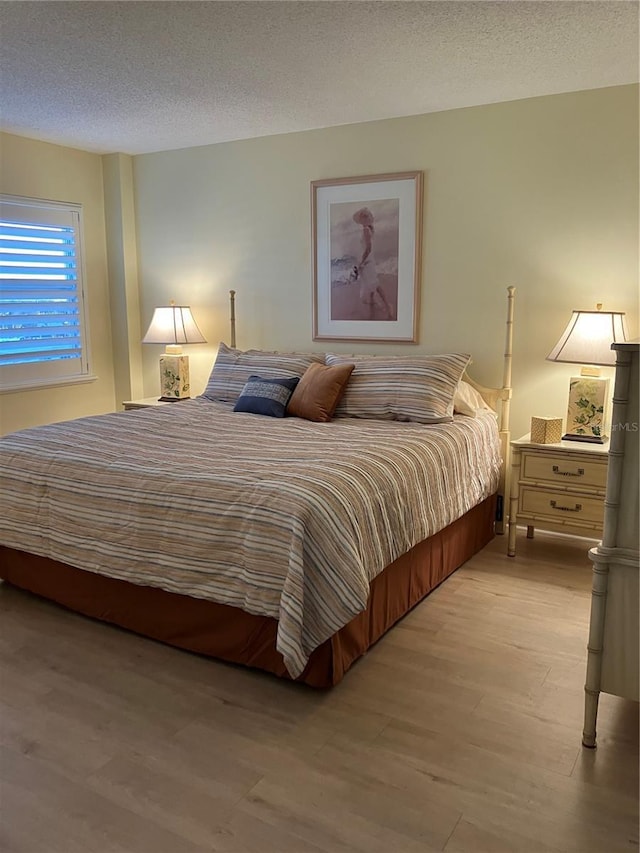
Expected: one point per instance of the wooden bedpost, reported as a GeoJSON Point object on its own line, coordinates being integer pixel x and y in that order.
{"type": "Point", "coordinates": [505, 412]}
{"type": "Point", "coordinates": [232, 317]}
{"type": "Point", "coordinates": [499, 399]}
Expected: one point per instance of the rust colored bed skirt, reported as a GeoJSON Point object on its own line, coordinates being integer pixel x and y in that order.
{"type": "Point", "coordinates": [224, 632]}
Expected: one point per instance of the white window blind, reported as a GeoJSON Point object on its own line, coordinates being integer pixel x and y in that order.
{"type": "Point", "coordinates": [42, 309]}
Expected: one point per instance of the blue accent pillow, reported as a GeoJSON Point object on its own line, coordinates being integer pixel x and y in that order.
{"type": "Point", "coordinates": [266, 396]}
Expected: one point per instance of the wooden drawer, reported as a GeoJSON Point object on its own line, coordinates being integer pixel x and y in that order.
{"type": "Point", "coordinates": [563, 470]}
{"type": "Point", "coordinates": [561, 507]}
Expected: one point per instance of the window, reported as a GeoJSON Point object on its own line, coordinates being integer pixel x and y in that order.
{"type": "Point", "coordinates": [42, 305]}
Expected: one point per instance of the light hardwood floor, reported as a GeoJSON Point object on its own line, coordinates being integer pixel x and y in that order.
{"type": "Point", "coordinates": [459, 731]}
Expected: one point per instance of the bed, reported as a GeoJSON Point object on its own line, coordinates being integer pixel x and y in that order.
{"type": "Point", "coordinates": [278, 543]}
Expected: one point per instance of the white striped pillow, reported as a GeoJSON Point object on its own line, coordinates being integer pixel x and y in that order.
{"type": "Point", "coordinates": [233, 367]}
{"type": "Point", "coordinates": [417, 388]}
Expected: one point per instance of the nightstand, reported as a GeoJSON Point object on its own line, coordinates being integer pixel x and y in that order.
{"type": "Point", "coordinates": [144, 403]}
{"type": "Point", "coordinates": [557, 487]}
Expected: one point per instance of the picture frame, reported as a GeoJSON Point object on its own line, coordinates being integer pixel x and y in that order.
{"type": "Point", "coordinates": [367, 254]}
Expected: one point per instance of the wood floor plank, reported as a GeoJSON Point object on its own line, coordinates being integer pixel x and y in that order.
{"type": "Point", "coordinates": [181, 804]}
{"type": "Point", "coordinates": [487, 786]}
{"type": "Point", "coordinates": [75, 817]}
{"type": "Point", "coordinates": [459, 731]}
{"type": "Point", "coordinates": [325, 809]}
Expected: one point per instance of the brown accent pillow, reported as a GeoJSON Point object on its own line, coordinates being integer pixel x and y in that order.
{"type": "Point", "coordinates": [318, 392]}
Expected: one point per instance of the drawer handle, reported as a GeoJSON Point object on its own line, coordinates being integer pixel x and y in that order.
{"type": "Point", "coordinates": [578, 473]}
{"type": "Point", "coordinates": [576, 508]}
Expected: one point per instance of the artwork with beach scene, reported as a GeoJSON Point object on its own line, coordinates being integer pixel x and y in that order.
{"type": "Point", "coordinates": [367, 235]}
{"type": "Point", "coordinates": [364, 260]}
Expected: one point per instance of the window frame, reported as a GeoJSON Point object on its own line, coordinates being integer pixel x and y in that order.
{"type": "Point", "coordinates": [42, 374]}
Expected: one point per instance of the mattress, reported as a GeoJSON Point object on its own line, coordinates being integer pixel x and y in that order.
{"type": "Point", "coordinates": [252, 512]}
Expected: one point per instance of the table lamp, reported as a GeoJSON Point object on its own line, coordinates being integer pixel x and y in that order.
{"type": "Point", "coordinates": [173, 325]}
{"type": "Point", "coordinates": [587, 340]}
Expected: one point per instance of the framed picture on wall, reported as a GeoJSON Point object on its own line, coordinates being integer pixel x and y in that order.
{"type": "Point", "coordinates": [367, 234]}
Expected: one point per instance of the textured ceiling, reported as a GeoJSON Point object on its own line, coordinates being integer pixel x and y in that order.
{"type": "Point", "coordinates": [147, 76]}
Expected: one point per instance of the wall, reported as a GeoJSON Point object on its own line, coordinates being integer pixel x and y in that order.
{"type": "Point", "coordinates": [539, 193]}
{"type": "Point", "coordinates": [40, 170]}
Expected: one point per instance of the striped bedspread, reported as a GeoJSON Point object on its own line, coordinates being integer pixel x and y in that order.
{"type": "Point", "coordinates": [282, 518]}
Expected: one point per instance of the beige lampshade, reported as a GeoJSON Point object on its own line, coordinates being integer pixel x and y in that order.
{"type": "Point", "coordinates": [173, 324]}
{"type": "Point", "coordinates": [588, 338]}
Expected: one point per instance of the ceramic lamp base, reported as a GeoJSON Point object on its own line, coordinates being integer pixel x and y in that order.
{"type": "Point", "coordinates": [174, 378]}
{"type": "Point", "coordinates": [587, 408]}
